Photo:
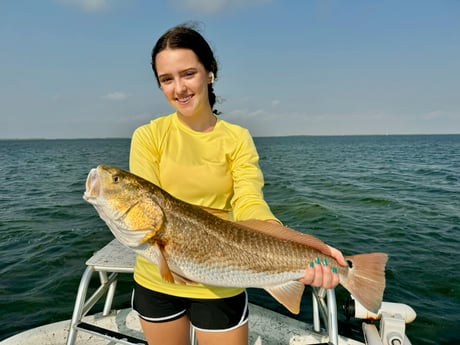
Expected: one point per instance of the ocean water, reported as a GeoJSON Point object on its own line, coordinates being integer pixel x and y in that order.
{"type": "Point", "coordinates": [397, 194]}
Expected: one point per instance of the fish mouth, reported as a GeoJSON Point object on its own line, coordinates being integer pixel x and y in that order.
{"type": "Point", "coordinates": [92, 185]}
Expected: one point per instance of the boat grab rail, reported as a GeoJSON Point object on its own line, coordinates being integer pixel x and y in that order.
{"type": "Point", "coordinates": [327, 309]}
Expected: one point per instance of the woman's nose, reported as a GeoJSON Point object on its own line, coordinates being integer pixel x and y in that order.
{"type": "Point", "coordinates": [179, 85]}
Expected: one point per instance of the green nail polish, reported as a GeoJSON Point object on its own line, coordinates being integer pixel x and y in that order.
{"type": "Point", "coordinates": [311, 264]}
{"type": "Point", "coordinates": [334, 269]}
{"type": "Point", "coordinates": [324, 262]}
{"type": "Point", "coordinates": [317, 260]}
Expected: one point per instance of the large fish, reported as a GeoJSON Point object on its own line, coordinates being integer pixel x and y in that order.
{"type": "Point", "coordinates": [191, 245]}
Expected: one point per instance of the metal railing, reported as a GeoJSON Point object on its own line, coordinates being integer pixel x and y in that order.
{"type": "Point", "coordinates": [327, 310]}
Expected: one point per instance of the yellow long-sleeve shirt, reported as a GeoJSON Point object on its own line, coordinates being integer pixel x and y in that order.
{"type": "Point", "coordinates": [217, 169]}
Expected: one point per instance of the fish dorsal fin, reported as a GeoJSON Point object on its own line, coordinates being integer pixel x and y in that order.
{"type": "Point", "coordinates": [288, 294]}
{"type": "Point", "coordinates": [223, 214]}
{"type": "Point", "coordinates": [165, 272]}
{"type": "Point", "coordinates": [285, 233]}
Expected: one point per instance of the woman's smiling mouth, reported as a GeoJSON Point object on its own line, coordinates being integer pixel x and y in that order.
{"type": "Point", "coordinates": [184, 100]}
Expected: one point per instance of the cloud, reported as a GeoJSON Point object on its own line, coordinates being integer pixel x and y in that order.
{"type": "Point", "coordinates": [440, 114]}
{"type": "Point", "coordinates": [88, 5]}
{"type": "Point", "coordinates": [116, 96]}
{"type": "Point", "coordinates": [278, 122]}
{"type": "Point", "coordinates": [216, 6]}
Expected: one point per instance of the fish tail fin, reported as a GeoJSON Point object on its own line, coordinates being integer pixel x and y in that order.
{"type": "Point", "coordinates": [366, 279]}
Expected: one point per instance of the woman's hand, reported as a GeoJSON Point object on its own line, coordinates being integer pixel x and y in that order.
{"type": "Point", "coordinates": [321, 274]}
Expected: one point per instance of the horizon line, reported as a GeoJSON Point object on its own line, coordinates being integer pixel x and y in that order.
{"type": "Point", "coordinates": [255, 136]}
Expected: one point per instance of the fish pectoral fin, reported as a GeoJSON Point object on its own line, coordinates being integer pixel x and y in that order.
{"type": "Point", "coordinates": [182, 280]}
{"type": "Point", "coordinates": [288, 294]}
{"type": "Point", "coordinates": [165, 272]}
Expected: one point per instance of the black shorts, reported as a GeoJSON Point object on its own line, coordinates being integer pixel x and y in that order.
{"type": "Point", "coordinates": [221, 314]}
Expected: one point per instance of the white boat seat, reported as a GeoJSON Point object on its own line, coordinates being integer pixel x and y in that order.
{"type": "Point", "coordinates": [110, 260]}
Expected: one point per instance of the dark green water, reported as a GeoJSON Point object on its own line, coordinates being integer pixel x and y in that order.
{"type": "Point", "coordinates": [398, 194]}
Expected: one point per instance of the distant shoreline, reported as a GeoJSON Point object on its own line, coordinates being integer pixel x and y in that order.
{"type": "Point", "coordinates": [268, 136]}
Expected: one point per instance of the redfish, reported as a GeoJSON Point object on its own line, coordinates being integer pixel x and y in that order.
{"type": "Point", "coordinates": [190, 245]}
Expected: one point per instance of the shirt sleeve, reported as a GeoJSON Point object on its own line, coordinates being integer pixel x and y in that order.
{"type": "Point", "coordinates": [248, 181]}
{"type": "Point", "coordinates": [144, 155]}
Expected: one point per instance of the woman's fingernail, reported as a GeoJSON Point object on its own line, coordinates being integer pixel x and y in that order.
{"type": "Point", "coordinates": [334, 269]}
{"type": "Point", "coordinates": [312, 264]}
{"type": "Point", "coordinates": [324, 262]}
{"type": "Point", "coordinates": [317, 260]}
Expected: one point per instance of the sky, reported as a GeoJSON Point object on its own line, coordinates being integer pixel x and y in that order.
{"type": "Point", "coordinates": [81, 68]}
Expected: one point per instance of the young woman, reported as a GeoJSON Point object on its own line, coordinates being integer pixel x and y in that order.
{"type": "Point", "coordinates": [203, 160]}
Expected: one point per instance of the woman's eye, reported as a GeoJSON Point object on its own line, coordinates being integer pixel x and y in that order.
{"type": "Point", "coordinates": [165, 80]}
{"type": "Point", "coordinates": [190, 73]}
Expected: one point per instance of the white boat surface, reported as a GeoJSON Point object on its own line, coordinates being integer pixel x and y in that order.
{"type": "Point", "coordinates": [266, 327]}
{"type": "Point", "coordinates": [122, 326]}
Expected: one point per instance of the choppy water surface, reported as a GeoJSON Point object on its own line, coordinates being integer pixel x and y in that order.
{"type": "Point", "coordinates": [398, 194]}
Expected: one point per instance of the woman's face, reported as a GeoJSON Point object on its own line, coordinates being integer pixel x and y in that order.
{"type": "Point", "coordinates": [184, 81]}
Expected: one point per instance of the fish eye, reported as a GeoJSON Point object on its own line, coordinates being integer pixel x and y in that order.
{"type": "Point", "coordinates": [116, 178]}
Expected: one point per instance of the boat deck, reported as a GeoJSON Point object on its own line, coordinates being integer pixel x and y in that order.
{"type": "Point", "coordinates": [109, 327]}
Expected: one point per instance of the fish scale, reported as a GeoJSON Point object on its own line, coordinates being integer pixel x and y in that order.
{"type": "Point", "coordinates": [191, 245]}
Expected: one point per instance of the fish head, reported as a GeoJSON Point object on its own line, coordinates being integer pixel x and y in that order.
{"type": "Point", "coordinates": [126, 204]}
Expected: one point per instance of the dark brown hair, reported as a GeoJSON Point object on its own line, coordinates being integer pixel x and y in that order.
{"type": "Point", "coordinates": [184, 36]}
